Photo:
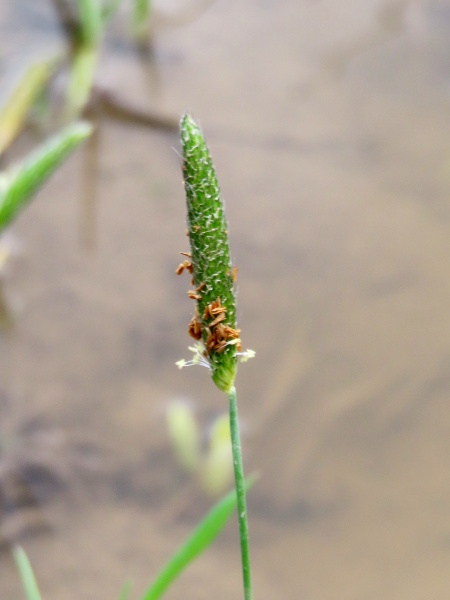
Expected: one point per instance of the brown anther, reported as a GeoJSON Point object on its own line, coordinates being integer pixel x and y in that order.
{"type": "Point", "coordinates": [184, 265]}
{"type": "Point", "coordinates": [217, 308]}
{"type": "Point", "coordinates": [187, 232]}
{"type": "Point", "coordinates": [195, 328]}
{"type": "Point", "coordinates": [230, 333]}
{"type": "Point", "coordinates": [196, 227]}
{"type": "Point", "coordinates": [235, 270]}
{"type": "Point", "coordinates": [201, 286]}
{"type": "Point", "coordinates": [188, 254]}
{"type": "Point", "coordinates": [210, 341]}
{"type": "Point", "coordinates": [213, 309]}
{"type": "Point", "coordinates": [219, 332]}
{"type": "Point", "coordinates": [219, 336]}
{"type": "Point", "coordinates": [220, 347]}
{"type": "Point", "coordinates": [193, 294]}
{"type": "Point", "coordinates": [221, 317]}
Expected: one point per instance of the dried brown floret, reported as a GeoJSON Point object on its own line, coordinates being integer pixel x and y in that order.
{"type": "Point", "coordinates": [220, 317]}
{"type": "Point", "coordinates": [195, 328]}
{"type": "Point", "coordinates": [186, 264]}
{"type": "Point", "coordinates": [219, 332]}
{"type": "Point", "coordinates": [193, 294]}
{"type": "Point", "coordinates": [214, 309]}
{"type": "Point", "coordinates": [230, 333]}
{"type": "Point", "coordinates": [210, 341]}
{"type": "Point", "coordinates": [220, 347]}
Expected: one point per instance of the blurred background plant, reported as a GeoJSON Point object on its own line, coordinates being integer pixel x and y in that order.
{"type": "Point", "coordinates": [85, 24]}
{"type": "Point", "coordinates": [59, 89]}
{"type": "Point", "coordinates": [29, 449]}
{"type": "Point", "coordinates": [198, 541]}
{"type": "Point", "coordinates": [207, 457]}
{"type": "Point", "coordinates": [37, 459]}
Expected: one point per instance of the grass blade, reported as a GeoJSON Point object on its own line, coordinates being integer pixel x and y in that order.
{"type": "Point", "coordinates": [18, 105]}
{"type": "Point", "coordinates": [204, 534]}
{"type": "Point", "coordinates": [18, 185]}
{"type": "Point", "coordinates": [91, 21]}
{"type": "Point", "coordinates": [81, 80]}
{"type": "Point", "coordinates": [26, 574]}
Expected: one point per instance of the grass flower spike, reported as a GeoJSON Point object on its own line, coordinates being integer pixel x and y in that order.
{"type": "Point", "coordinates": [212, 271]}
{"type": "Point", "coordinates": [214, 323]}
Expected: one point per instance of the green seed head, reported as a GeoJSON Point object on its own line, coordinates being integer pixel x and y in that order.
{"type": "Point", "coordinates": [215, 320]}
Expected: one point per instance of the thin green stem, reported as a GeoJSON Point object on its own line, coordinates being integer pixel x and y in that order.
{"type": "Point", "coordinates": [240, 493]}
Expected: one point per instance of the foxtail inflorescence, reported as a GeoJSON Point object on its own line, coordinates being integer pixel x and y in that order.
{"type": "Point", "coordinates": [214, 323]}
{"type": "Point", "coordinates": [209, 262]}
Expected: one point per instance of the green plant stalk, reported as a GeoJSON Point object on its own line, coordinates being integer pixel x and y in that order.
{"type": "Point", "coordinates": [203, 535]}
{"type": "Point", "coordinates": [240, 493]}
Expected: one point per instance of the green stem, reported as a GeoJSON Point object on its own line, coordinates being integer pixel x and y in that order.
{"type": "Point", "coordinates": [240, 493]}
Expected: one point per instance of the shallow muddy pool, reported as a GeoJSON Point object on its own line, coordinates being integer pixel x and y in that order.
{"type": "Point", "coordinates": [328, 122]}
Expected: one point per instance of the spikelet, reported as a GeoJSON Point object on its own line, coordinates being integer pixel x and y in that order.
{"type": "Point", "coordinates": [212, 270]}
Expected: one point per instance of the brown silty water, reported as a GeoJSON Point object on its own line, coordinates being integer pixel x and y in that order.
{"type": "Point", "coordinates": [328, 122]}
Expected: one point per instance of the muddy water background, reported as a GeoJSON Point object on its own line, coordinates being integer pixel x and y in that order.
{"type": "Point", "coordinates": [328, 122]}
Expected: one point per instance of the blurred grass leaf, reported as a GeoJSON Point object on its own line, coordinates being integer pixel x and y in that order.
{"type": "Point", "coordinates": [85, 55]}
{"type": "Point", "coordinates": [125, 591]}
{"type": "Point", "coordinates": [109, 9]}
{"type": "Point", "coordinates": [93, 18]}
{"type": "Point", "coordinates": [18, 105]}
{"type": "Point", "coordinates": [26, 574]}
{"type": "Point", "coordinates": [18, 184]}
{"type": "Point", "coordinates": [141, 18]}
{"type": "Point", "coordinates": [202, 537]}
{"type": "Point", "coordinates": [91, 21]}
{"type": "Point", "coordinates": [81, 80]}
